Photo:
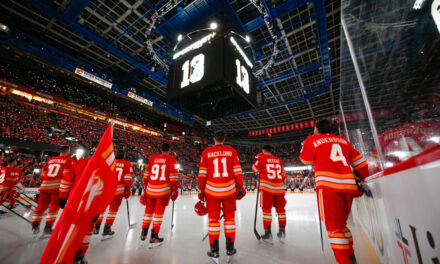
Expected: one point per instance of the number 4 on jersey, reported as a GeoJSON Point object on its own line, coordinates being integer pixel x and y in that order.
{"type": "Point", "coordinates": [337, 155]}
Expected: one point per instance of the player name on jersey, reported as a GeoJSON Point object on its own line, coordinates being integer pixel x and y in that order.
{"type": "Point", "coordinates": [329, 140]}
{"type": "Point", "coordinates": [273, 161]}
{"type": "Point", "coordinates": [160, 160]}
{"type": "Point", "coordinates": [219, 154]}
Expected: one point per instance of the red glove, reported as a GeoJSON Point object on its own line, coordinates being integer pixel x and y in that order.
{"type": "Point", "coordinates": [202, 196]}
{"type": "Point", "coordinates": [143, 200]}
{"type": "Point", "coordinates": [174, 195]}
{"type": "Point", "coordinates": [127, 193]}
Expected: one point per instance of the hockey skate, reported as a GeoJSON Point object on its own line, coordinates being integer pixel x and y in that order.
{"type": "Point", "coordinates": [230, 250]}
{"type": "Point", "coordinates": [155, 240]}
{"type": "Point", "coordinates": [96, 228]}
{"type": "Point", "coordinates": [79, 259]}
{"type": "Point", "coordinates": [282, 234]}
{"type": "Point", "coordinates": [35, 228]}
{"type": "Point", "coordinates": [107, 233]}
{"type": "Point", "coordinates": [47, 232]}
{"type": "Point", "coordinates": [144, 233]}
{"type": "Point", "coordinates": [267, 236]}
{"type": "Point", "coordinates": [214, 252]}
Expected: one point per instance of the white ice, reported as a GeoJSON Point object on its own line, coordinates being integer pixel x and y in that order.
{"type": "Point", "coordinates": [184, 244]}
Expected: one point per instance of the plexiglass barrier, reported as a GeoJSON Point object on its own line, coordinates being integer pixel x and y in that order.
{"type": "Point", "coordinates": [390, 78]}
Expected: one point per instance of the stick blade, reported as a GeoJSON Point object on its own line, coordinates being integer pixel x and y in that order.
{"type": "Point", "coordinates": [256, 234]}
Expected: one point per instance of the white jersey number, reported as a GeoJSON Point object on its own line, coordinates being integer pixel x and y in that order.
{"type": "Point", "coordinates": [119, 171]}
{"type": "Point", "coordinates": [2, 177]}
{"type": "Point", "coordinates": [156, 169]}
{"type": "Point", "coordinates": [273, 171]}
{"type": "Point", "coordinates": [216, 168]}
{"type": "Point", "coordinates": [53, 170]}
{"type": "Point", "coordinates": [337, 155]}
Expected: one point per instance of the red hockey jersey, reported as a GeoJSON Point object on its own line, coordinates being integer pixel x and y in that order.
{"type": "Point", "coordinates": [124, 172]}
{"type": "Point", "coordinates": [69, 179]}
{"type": "Point", "coordinates": [220, 172]}
{"type": "Point", "coordinates": [272, 174]}
{"type": "Point", "coordinates": [53, 172]}
{"type": "Point", "coordinates": [160, 177]}
{"type": "Point", "coordinates": [332, 157]}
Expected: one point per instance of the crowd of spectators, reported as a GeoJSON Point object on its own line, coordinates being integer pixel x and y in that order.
{"type": "Point", "coordinates": [37, 123]}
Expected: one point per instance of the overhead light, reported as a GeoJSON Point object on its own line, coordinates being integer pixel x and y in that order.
{"type": "Point", "coordinates": [4, 28]}
{"type": "Point", "coordinates": [177, 166]}
{"type": "Point", "coordinates": [435, 13]}
{"type": "Point", "coordinates": [140, 161]}
{"type": "Point", "coordinates": [213, 25]}
{"type": "Point", "coordinates": [183, 133]}
{"type": "Point", "coordinates": [79, 152]}
{"type": "Point", "coordinates": [248, 39]}
{"type": "Point", "coordinates": [180, 37]}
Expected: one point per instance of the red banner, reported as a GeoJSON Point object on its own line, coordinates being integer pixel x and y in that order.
{"type": "Point", "coordinates": [311, 123]}
{"type": "Point", "coordinates": [92, 192]}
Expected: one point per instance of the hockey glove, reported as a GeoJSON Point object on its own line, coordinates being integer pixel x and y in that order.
{"type": "Point", "coordinates": [127, 194]}
{"type": "Point", "coordinates": [202, 196]}
{"type": "Point", "coordinates": [174, 195]}
{"type": "Point", "coordinates": [143, 200]}
{"type": "Point", "coordinates": [240, 193]}
{"type": "Point", "coordinates": [63, 202]}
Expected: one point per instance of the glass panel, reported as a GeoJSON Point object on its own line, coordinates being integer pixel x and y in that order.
{"type": "Point", "coordinates": [397, 47]}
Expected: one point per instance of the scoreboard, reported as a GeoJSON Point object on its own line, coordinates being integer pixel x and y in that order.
{"type": "Point", "coordinates": [212, 77]}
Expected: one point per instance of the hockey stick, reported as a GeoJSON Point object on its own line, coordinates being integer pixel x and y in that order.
{"type": "Point", "coordinates": [25, 195]}
{"type": "Point", "coordinates": [172, 217]}
{"type": "Point", "coordinates": [203, 239]}
{"type": "Point", "coordinates": [128, 215]}
{"type": "Point", "coordinates": [28, 203]}
{"type": "Point", "coordinates": [26, 206]}
{"type": "Point", "coordinates": [256, 210]}
{"type": "Point", "coordinates": [320, 224]}
{"type": "Point", "coordinates": [19, 215]}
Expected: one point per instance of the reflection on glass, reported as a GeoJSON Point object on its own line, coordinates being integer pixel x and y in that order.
{"type": "Point", "coordinates": [396, 44]}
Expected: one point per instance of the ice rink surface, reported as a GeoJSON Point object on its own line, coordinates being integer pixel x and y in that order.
{"type": "Point", "coordinates": [184, 244]}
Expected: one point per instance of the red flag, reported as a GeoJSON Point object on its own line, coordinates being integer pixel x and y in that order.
{"type": "Point", "coordinates": [93, 191]}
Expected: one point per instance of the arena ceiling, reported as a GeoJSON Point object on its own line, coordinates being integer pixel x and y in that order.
{"type": "Point", "coordinates": [108, 38]}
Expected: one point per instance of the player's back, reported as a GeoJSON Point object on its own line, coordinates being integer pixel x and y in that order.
{"type": "Point", "coordinates": [332, 157]}
{"type": "Point", "coordinates": [272, 173]}
{"type": "Point", "coordinates": [160, 167]}
{"type": "Point", "coordinates": [220, 163]}
{"type": "Point", "coordinates": [53, 172]}
{"type": "Point", "coordinates": [70, 179]}
{"type": "Point", "coordinates": [123, 172]}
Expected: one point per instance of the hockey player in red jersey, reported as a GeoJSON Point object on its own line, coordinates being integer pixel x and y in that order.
{"type": "Point", "coordinates": [124, 172]}
{"type": "Point", "coordinates": [221, 183]}
{"type": "Point", "coordinates": [334, 158]}
{"type": "Point", "coordinates": [272, 190]}
{"type": "Point", "coordinates": [9, 177]}
{"type": "Point", "coordinates": [53, 172]}
{"type": "Point", "coordinates": [161, 182]}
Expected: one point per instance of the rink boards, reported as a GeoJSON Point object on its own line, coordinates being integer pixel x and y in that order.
{"type": "Point", "coordinates": [401, 210]}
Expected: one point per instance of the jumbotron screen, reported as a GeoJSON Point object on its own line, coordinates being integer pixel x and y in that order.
{"type": "Point", "coordinates": [210, 70]}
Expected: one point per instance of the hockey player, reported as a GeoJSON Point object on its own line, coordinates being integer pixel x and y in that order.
{"type": "Point", "coordinates": [124, 171]}
{"type": "Point", "coordinates": [334, 158]}
{"type": "Point", "coordinates": [161, 182]}
{"type": "Point", "coordinates": [272, 190]}
{"type": "Point", "coordinates": [8, 178]}
{"type": "Point", "coordinates": [52, 174]}
{"type": "Point", "coordinates": [221, 183]}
